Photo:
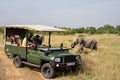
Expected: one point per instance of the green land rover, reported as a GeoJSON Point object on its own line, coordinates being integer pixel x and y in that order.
{"type": "Point", "coordinates": [47, 58]}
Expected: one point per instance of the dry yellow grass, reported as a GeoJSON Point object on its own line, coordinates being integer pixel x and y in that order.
{"type": "Point", "coordinates": [2, 70]}
{"type": "Point", "coordinates": [101, 65]}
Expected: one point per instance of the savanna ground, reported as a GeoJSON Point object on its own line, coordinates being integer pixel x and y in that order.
{"type": "Point", "coordinates": [101, 65]}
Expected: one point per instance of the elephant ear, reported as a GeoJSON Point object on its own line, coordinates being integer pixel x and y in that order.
{"type": "Point", "coordinates": [80, 40]}
{"type": "Point", "coordinates": [77, 40]}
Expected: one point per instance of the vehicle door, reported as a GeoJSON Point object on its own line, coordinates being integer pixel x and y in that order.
{"type": "Point", "coordinates": [34, 56]}
{"type": "Point", "coordinates": [10, 48]}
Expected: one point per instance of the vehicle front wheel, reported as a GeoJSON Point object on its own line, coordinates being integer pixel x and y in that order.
{"type": "Point", "coordinates": [47, 71]}
{"type": "Point", "coordinates": [17, 62]}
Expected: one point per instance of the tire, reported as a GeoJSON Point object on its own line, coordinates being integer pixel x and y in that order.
{"type": "Point", "coordinates": [17, 62]}
{"type": "Point", "coordinates": [47, 71]}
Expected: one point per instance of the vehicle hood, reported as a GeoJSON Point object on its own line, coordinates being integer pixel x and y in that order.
{"type": "Point", "coordinates": [57, 51]}
{"type": "Point", "coordinates": [53, 49]}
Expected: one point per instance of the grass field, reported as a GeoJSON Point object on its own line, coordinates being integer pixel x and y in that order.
{"type": "Point", "coordinates": [101, 65]}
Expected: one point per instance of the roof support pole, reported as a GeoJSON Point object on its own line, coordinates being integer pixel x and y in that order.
{"type": "Point", "coordinates": [26, 42]}
{"type": "Point", "coordinates": [4, 36]}
{"type": "Point", "coordinates": [49, 39]}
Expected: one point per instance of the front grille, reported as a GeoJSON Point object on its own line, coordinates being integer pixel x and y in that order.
{"type": "Point", "coordinates": [68, 59]}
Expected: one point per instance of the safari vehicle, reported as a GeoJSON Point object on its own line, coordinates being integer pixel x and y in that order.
{"type": "Point", "coordinates": [47, 58]}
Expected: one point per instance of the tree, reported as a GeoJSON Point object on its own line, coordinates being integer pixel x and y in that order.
{"type": "Point", "coordinates": [90, 30]}
{"type": "Point", "coordinates": [81, 30]}
{"type": "Point", "coordinates": [118, 29]}
{"type": "Point", "coordinates": [109, 29]}
{"type": "Point", "coordinates": [1, 29]}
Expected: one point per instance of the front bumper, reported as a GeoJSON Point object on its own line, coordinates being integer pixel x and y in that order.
{"type": "Point", "coordinates": [65, 65]}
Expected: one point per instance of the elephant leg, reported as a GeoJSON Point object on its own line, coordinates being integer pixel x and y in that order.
{"type": "Point", "coordinates": [92, 46]}
{"type": "Point", "coordinates": [95, 47]}
{"type": "Point", "coordinates": [80, 49]}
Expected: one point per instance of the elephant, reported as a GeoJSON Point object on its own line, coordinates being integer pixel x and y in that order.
{"type": "Point", "coordinates": [86, 42]}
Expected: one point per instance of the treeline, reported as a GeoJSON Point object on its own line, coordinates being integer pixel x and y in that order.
{"type": "Point", "coordinates": [106, 29]}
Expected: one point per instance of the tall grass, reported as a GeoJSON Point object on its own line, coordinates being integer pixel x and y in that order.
{"type": "Point", "coordinates": [101, 65]}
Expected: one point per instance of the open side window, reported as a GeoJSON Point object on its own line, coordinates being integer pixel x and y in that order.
{"type": "Point", "coordinates": [15, 36]}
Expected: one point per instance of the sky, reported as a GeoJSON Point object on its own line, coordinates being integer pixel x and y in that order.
{"type": "Point", "coordinates": [63, 13]}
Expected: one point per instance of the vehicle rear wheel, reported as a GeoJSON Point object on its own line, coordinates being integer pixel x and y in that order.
{"type": "Point", "coordinates": [17, 62]}
{"type": "Point", "coordinates": [47, 71]}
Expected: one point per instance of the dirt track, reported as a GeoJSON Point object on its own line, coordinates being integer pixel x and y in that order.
{"type": "Point", "coordinates": [10, 72]}
{"type": "Point", "coordinates": [13, 73]}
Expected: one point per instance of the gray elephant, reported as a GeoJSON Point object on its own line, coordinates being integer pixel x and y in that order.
{"type": "Point", "coordinates": [86, 42]}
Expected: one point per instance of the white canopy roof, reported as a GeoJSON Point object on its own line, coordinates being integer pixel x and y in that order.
{"type": "Point", "coordinates": [36, 27]}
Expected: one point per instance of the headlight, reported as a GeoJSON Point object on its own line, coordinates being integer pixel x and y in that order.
{"type": "Point", "coordinates": [52, 58]}
{"type": "Point", "coordinates": [57, 59]}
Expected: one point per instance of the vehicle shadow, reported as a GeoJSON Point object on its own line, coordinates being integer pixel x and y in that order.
{"type": "Point", "coordinates": [69, 72]}
{"type": "Point", "coordinates": [61, 72]}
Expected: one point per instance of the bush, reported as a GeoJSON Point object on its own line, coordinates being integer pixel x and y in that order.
{"type": "Point", "coordinates": [1, 29]}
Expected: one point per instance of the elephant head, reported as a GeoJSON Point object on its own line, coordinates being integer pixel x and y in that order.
{"type": "Point", "coordinates": [75, 42]}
